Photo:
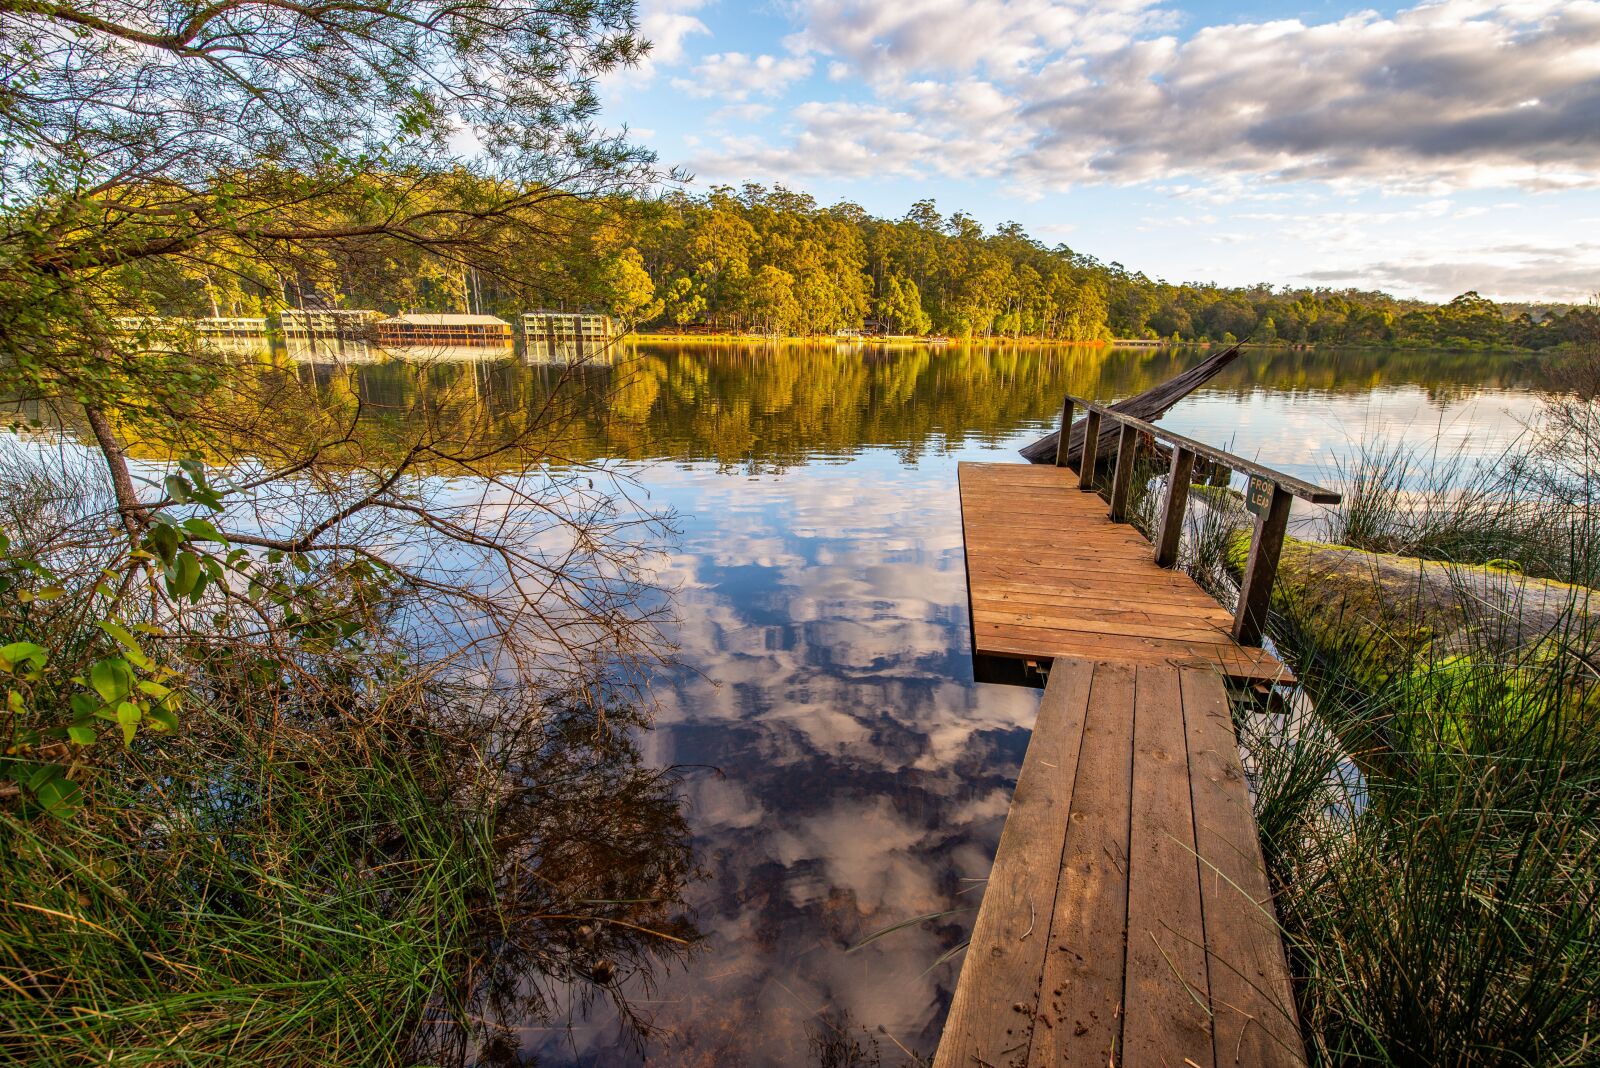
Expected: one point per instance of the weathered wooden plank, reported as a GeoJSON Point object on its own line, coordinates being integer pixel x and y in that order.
{"type": "Point", "coordinates": [1070, 631]}
{"type": "Point", "coordinates": [1090, 450]}
{"type": "Point", "coordinates": [1080, 1001]}
{"type": "Point", "coordinates": [1079, 533]}
{"type": "Point", "coordinates": [1167, 995]}
{"type": "Point", "coordinates": [1252, 996]}
{"type": "Point", "coordinates": [1053, 617]}
{"type": "Point", "coordinates": [1176, 501]}
{"type": "Point", "coordinates": [1175, 597]}
{"type": "Point", "coordinates": [1122, 474]}
{"type": "Point", "coordinates": [1006, 956]}
{"type": "Point", "coordinates": [1146, 573]}
{"type": "Point", "coordinates": [1255, 587]}
{"type": "Point", "coordinates": [1064, 435]}
{"type": "Point", "coordinates": [1084, 577]}
{"type": "Point", "coordinates": [1084, 606]}
{"type": "Point", "coordinates": [1114, 648]}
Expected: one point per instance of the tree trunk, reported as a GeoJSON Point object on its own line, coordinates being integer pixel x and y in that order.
{"type": "Point", "coordinates": [134, 512]}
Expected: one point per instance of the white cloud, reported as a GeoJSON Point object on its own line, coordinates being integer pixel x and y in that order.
{"type": "Point", "coordinates": [1444, 96]}
{"type": "Point", "coordinates": [667, 25]}
{"type": "Point", "coordinates": [1434, 97]}
{"type": "Point", "coordinates": [1507, 272]}
{"type": "Point", "coordinates": [739, 113]}
{"type": "Point", "coordinates": [1000, 37]}
{"type": "Point", "coordinates": [735, 76]}
{"type": "Point", "coordinates": [837, 139]}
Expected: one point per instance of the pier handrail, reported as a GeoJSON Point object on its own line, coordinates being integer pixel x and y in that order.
{"type": "Point", "coordinates": [1269, 497]}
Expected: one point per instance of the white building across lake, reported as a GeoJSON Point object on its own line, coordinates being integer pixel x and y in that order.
{"type": "Point", "coordinates": [334, 324]}
{"type": "Point", "coordinates": [562, 337]}
{"type": "Point", "coordinates": [419, 329]}
{"type": "Point", "coordinates": [231, 326]}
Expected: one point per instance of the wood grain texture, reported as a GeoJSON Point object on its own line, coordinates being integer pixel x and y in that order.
{"type": "Point", "coordinates": [1080, 999]}
{"type": "Point", "coordinates": [1050, 575]}
{"type": "Point", "coordinates": [1166, 994]}
{"type": "Point", "coordinates": [1251, 992]}
{"type": "Point", "coordinates": [991, 1015]}
{"type": "Point", "coordinates": [1159, 946]}
{"type": "Point", "coordinates": [1127, 919]}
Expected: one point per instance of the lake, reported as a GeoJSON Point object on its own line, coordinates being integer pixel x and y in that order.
{"type": "Point", "coordinates": [841, 770]}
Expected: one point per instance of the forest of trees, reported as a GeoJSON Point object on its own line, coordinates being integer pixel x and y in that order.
{"type": "Point", "coordinates": [773, 261]}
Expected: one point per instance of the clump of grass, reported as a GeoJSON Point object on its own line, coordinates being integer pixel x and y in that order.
{"type": "Point", "coordinates": [1532, 507]}
{"type": "Point", "coordinates": [341, 856]}
{"type": "Point", "coordinates": [1438, 886]}
{"type": "Point", "coordinates": [276, 890]}
{"type": "Point", "coordinates": [1401, 499]}
{"type": "Point", "coordinates": [1430, 809]}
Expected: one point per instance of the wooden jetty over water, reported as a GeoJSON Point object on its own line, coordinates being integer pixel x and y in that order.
{"type": "Point", "coordinates": [1128, 919]}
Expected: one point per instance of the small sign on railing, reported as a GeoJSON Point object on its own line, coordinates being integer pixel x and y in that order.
{"type": "Point", "coordinates": [1258, 498]}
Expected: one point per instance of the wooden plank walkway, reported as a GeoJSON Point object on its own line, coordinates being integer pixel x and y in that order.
{"type": "Point", "coordinates": [1128, 919]}
{"type": "Point", "coordinates": [1049, 574]}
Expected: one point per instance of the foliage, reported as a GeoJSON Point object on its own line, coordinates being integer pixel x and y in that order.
{"type": "Point", "coordinates": [1430, 805]}
{"type": "Point", "coordinates": [319, 862]}
{"type": "Point", "coordinates": [1432, 842]}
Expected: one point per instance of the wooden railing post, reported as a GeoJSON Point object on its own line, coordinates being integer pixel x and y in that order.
{"type": "Point", "coordinates": [1063, 442]}
{"type": "Point", "coordinates": [1177, 502]}
{"type": "Point", "coordinates": [1122, 477]}
{"type": "Point", "coordinates": [1091, 445]}
{"type": "Point", "coordinates": [1255, 589]}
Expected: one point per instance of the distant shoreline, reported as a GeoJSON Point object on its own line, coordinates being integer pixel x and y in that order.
{"type": "Point", "coordinates": [908, 341]}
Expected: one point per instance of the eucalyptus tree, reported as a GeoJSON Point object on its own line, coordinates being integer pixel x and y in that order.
{"type": "Point", "coordinates": [154, 155]}
{"type": "Point", "coordinates": [152, 152]}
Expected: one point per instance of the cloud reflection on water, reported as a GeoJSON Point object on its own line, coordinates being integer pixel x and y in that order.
{"type": "Point", "coordinates": [864, 777]}
{"type": "Point", "coordinates": [861, 777]}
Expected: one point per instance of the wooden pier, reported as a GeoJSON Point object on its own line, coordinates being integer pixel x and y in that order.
{"type": "Point", "coordinates": [1128, 919]}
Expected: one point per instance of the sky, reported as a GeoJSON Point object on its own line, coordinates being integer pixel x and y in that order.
{"type": "Point", "coordinates": [1424, 150]}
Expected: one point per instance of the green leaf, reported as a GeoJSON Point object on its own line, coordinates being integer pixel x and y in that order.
{"type": "Point", "coordinates": [111, 678]}
{"type": "Point", "coordinates": [177, 488]}
{"type": "Point", "coordinates": [166, 540]}
{"type": "Point", "coordinates": [129, 715]}
{"type": "Point", "coordinates": [163, 719]}
{"type": "Point", "coordinates": [203, 529]}
{"type": "Point", "coordinates": [82, 734]}
{"type": "Point", "coordinates": [183, 574]}
{"type": "Point", "coordinates": [195, 470]}
{"type": "Point", "coordinates": [59, 797]}
{"type": "Point", "coordinates": [17, 653]}
{"type": "Point", "coordinates": [127, 641]}
{"type": "Point", "coordinates": [153, 689]}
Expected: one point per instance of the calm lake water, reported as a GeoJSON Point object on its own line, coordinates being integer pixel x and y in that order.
{"type": "Point", "coordinates": [842, 771]}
